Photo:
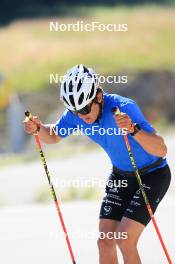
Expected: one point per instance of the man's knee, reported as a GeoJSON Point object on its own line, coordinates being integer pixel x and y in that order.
{"type": "Point", "coordinates": [104, 243]}
{"type": "Point", "coordinates": [126, 245]}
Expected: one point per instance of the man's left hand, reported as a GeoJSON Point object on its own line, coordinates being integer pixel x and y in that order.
{"type": "Point", "coordinates": [124, 121]}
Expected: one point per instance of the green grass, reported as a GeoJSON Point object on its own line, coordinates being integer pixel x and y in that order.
{"type": "Point", "coordinates": [65, 150]}
{"type": "Point", "coordinates": [29, 52]}
{"type": "Point", "coordinates": [72, 193]}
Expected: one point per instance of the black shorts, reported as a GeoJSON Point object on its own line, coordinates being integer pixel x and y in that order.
{"type": "Point", "coordinates": [124, 198]}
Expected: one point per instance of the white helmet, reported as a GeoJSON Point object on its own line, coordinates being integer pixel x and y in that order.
{"type": "Point", "coordinates": [79, 87]}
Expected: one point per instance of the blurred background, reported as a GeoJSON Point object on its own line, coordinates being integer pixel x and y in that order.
{"type": "Point", "coordinates": [29, 54]}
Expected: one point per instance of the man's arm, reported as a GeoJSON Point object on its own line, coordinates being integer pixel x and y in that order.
{"type": "Point", "coordinates": [151, 142]}
{"type": "Point", "coordinates": [46, 132]}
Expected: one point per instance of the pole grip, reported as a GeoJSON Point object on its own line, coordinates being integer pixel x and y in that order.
{"type": "Point", "coordinates": [116, 111]}
{"type": "Point", "coordinates": [28, 114]}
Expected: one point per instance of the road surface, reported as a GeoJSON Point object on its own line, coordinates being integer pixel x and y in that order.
{"type": "Point", "coordinates": [32, 234]}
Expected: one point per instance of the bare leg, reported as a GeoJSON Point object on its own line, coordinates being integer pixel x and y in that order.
{"type": "Point", "coordinates": [107, 246]}
{"type": "Point", "coordinates": [128, 246]}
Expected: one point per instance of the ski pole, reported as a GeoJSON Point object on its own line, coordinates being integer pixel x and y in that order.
{"type": "Point", "coordinates": [37, 139]}
{"type": "Point", "coordinates": [117, 112]}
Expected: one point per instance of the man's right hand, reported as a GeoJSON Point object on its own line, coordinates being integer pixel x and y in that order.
{"type": "Point", "coordinates": [30, 126]}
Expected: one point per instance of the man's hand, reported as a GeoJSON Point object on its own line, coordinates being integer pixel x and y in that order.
{"type": "Point", "coordinates": [45, 133]}
{"type": "Point", "coordinates": [30, 126]}
{"type": "Point", "coordinates": [124, 121]}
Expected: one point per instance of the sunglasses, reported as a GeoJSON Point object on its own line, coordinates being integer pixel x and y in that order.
{"type": "Point", "coordinates": [84, 111]}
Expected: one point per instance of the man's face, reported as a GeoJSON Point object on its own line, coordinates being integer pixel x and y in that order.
{"type": "Point", "coordinates": [93, 115]}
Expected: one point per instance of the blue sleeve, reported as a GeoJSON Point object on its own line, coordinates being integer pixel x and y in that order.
{"type": "Point", "coordinates": [136, 115]}
{"type": "Point", "coordinates": [65, 125]}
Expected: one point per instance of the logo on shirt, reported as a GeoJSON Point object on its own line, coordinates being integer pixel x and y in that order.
{"type": "Point", "coordinates": [114, 190]}
{"type": "Point", "coordinates": [107, 210]}
{"type": "Point", "coordinates": [158, 200]}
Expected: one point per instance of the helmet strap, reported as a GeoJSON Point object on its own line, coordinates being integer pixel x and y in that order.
{"type": "Point", "coordinates": [100, 108]}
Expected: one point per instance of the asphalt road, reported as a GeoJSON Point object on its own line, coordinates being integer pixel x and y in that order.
{"type": "Point", "coordinates": [32, 234]}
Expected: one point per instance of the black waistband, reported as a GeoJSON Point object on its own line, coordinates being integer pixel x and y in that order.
{"type": "Point", "coordinates": [141, 171]}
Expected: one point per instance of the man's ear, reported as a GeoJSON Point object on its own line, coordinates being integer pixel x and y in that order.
{"type": "Point", "coordinates": [99, 97]}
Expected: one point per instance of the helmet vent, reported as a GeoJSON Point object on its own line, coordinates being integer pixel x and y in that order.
{"type": "Point", "coordinates": [65, 87]}
{"type": "Point", "coordinates": [90, 75]}
{"type": "Point", "coordinates": [81, 98]}
{"type": "Point", "coordinates": [79, 85]}
{"type": "Point", "coordinates": [85, 69]}
{"type": "Point", "coordinates": [70, 87]}
{"type": "Point", "coordinates": [92, 92]}
{"type": "Point", "coordinates": [72, 100]}
{"type": "Point", "coordinates": [76, 77]}
{"type": "Point", "coordinates": [65, 100]}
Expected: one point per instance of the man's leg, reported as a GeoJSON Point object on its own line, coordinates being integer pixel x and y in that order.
{"type": "Point", "coordinates": [128, 246]}
{"type": "Point", "coordinates": [107, 246]}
